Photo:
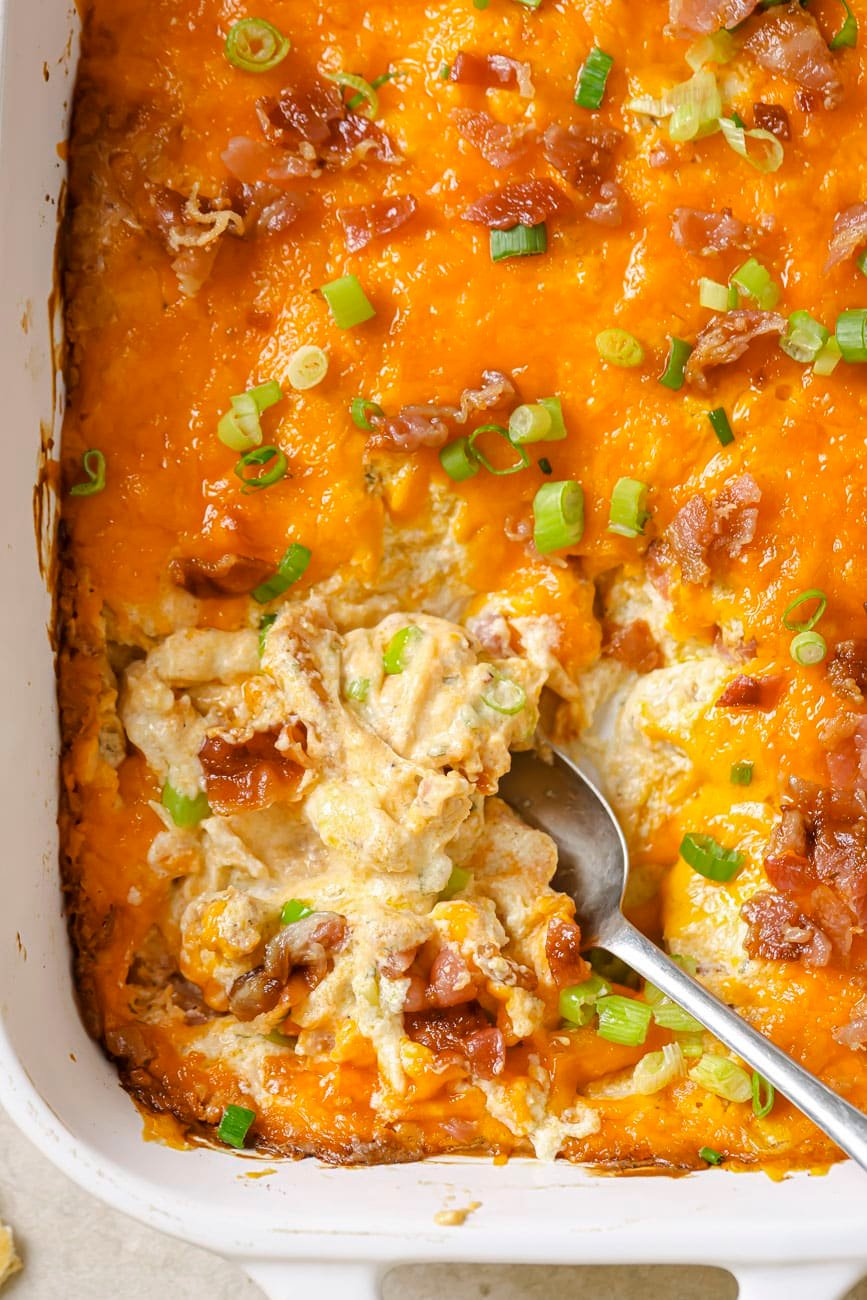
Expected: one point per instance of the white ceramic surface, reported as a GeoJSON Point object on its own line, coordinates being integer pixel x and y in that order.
{"type": "Point", "coordinates": [805, 1237]}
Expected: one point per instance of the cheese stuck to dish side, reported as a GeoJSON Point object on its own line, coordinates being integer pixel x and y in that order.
{"type": "Point", "coordinates": [442, 381]}
{"type": "Point", "coordinates": [9, 1261]}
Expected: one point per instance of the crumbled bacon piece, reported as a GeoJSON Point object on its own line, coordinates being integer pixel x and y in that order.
{"type": "Point", "coordinates": [583, 158]}
{"type": "Point", "coordinates": [849, 233]}
{"type": "Point", "coordinates": [492, 72]}
{"type": "Point", "coordinates": [854, 1033]}
{"type": "Point", "coordinates": [523, 203]}
{"type": "Point", "coordinates": [307, 943]}
{"type": "Point", "coordinates": [316, 129]}
{"type": "Point", "coordinates": [429, 425]}
{"type": "Point", "coordinates": [705, 233]}
{"type": "Point", "coordinates": [743, 692]}
{"type": "Point", "coordinates": [252, 774]}
{"type": "Point", "coordinates": [608, 210]}
{"type": "Point", "coordinates": [778, 931]}
{"type": "Point", "coordinates": [773, 118]}
{"type": "Point", "coordinates": [726, 338]}
{"type": "Point", "coordinates": [499, 144]}
{"type": "Point", "coordinates": [460, 1032]}
{"type": "Point", "coordinates": [704, 16]}
{"type": "Point", "coordinates": [847, 669]}
{"type": "Point", "coordinates": [703, 530]}
{"type": "Point", "coordinates": [231, 575]}
{"type": "Point", "coordinates": [632, 644]}
{"type": "Point", "coordinates": [366, 221]}
{"type": "Point", "coordinates": [486, 1052]}
{"type": "Point", "coordinates": [787, 40]}
{"type": "Point", "coordinates": [450, 981]}
{"type": "Point", "coordinates": [563, 951]}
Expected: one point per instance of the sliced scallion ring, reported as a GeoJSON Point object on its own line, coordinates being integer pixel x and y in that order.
{"type": "Point", "coordinates": [760, 148]}
{"type": "Point", "coordinates": [578, 1001]}
{"type": "Point", "coordinates": [558, 515]}
{"type": "Point", "coordinates": [93, 464]}
{"type": "Point", "coordinates": [456, 883]}
{"type": "Point", "coordinates": [706, 856]}
{"type": "Point", "coordinates": [623, 1020]}
{"type": "Point", "coordinates": [521, 463]}
{"type": "Point", "coordinates": [722, 1077]}
{"type": "Point", "coordinates": [804, 598]}
{"type": "Point", "coordinates": [847, 37]}
{"type": "Point", "coordinates": [369, 99]}
{"type": "Point", "coordinates": [741, 773]}
{"type": "Point", "coordinates": [293, 564]}
{"type": "Point", "coordinates": [530, 422]}
{"type": "Point", "coordinates": [755, 281]}
{"type": "Point", "coordinates": [294, 909]}
{"type": "Point", "coordinates": [804, 337]}
{"type": "Point", "coordinates": [720, 424]}
{"type": "Point", "coordinates": [709, 1156]}
{"type": "Point", "coordinates": [235, 1125]}
{"type": "Point", "coordinates": [673, 376]}
{"type": "Point", "coordinates": [619, 348]}
{"type": "Point", "coordinates": [504, 695]}
{"type": "Point", "coordinates": [763, 1095]}
{"type": "Point", "coordinates": [592, 79]}
{"type": "Point", "coordinates": [185, 810]}
{"type": "Point", "coordinates": [307, 367]}
{"type": "Point", "coordinates": [628, 513]}
{"type": "Point", "coordinates": [259, 457]}
{"type": "Point", "coordinates": [255, 45]}
{"type": "Point", "coordinates": [458, 461]}
{"type": "Point", "coordinates": [363, 411]}
{"type": "Point", "coordinates": [808, 648]}
{"type": "Point", "coordinates": [851, 333]}
{"type": "Point", "coordinates": [397, 654]}
{"type": "Point", "coordinates": [347, 301]}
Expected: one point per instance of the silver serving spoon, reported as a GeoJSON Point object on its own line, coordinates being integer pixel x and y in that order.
{"type": "Point", "coordinates": [593, 862]}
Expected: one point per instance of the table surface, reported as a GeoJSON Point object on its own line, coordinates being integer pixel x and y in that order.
{"type": "Point", "coordinates": [75, 1247]}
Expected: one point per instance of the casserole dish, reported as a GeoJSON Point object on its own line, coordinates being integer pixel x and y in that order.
{"type": "Point", "coordinates": [301, 1223]}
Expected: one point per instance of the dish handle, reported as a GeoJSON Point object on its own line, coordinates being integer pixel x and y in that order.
{"type": "Point", "coordinates": [321, 1279]}
{"type": "Point", "coordinates": [831, 1281]}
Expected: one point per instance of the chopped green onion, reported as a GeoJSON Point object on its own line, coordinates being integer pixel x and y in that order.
{"type": "Point", "coordinates": [93, 464]}
{"type": "Point", "coordinates": [481, 4]}
{"type": "Point", "coordinates": [768, 154]}
{"type": "Point", "coordinates": [755, 281]}
{"type": "Point", "coordinates": [347, 301]}
{"type": "Point", "coordinates": [183, 810]}
{"type": "Point", "coordinates": [307, 367]}
{"type": "Point", "coordinates": [808, 648]}
{"type": "Point", "coordinates": [623, 1020]}
{"type": "Point", "coordinates": [289, 570]}
{"type": "Point", "coordinates": [697, 107]}
{"type": "Point", "coordinates": [398, 652]}
{"type": "Point", "coordinates": [235, 1125]}
{"type": "Point", "coordinates": [741, 773]}
{"type": "Point", "coordinates": [519, 241]}
{"type": "Point", "coordinates": [804, 597]}
{"type": "Point", "coordinates": [238, 435]}
{"type": "Point", "coordinates": [445, 72]}
{"type": "Point", "coordinates": [558, 514]}
{"type": "Point", "coordinates": [554, 407]}
{"type": "Point", "coordinates": [720, 425]}
{"type": "Point", "coordinates": [530, 423]}
{"type": "Point", "coordinates": [255, 45]}
{"type": "Point", "coordinates": [358, 689]}
{"type": "Point", "coordinates": [763, 1096]}
{"type": "Point", "coordinates": [362, 411]}
{"type": "Point", "coordinates": [262, 395]}
{"type": "Point", "coordinates": [851, 333]}
{"type": "Point", "coordinates": [266, 622]}
{"type": "Point", "coordinates": [529, 4]}
{"type": "Point", "coordinates": [828, 358]}
{"type": "Point", "coordinates": [279, 1040]}
{"type": "Point", "coordinates": [847, 37]}
{"type": "Point", "coordinates": [545, 465]}
{"type": "Point", "coordinates": [261, 456]}
{"type": "Point", "coordinates": [722, 1077]}
{"type": "Point", "coordinates": [592, 79]}
{"type": "Point", "coordinates": [710, 859]}
{"type": "Point", "coordinates": [357, 100]}
{"type": "Point", "coordinates": [656, 1070]}
{"type": "Point", "coordinates": [710, 1156]}
{"type": "Point", "coordinates": [628, 514]}
{"type": "Point", "coordinates": [363, 88]}
{"type": "Point", "coordinates": [804, 337]}
{"type": "Point", "coordinates": [295, 909]}
{"type": "Point", "coordinates": [713, 295]}
{"type": "Point", "coordinates": [668, 1015]}
{"type": "Point", "coordinates": [692, 1045]}
{"type": "Point", "coordinates": [673, 374]}
{"type": "Point", "coordinates": [522, 462]}
{"type": "Point", "coordinates": [458, 460]}
{"type": "Point", "coordinates": [738, 120]}
{"type": "Point", "coordinates": [578, 1001]}
{"type": "Point", "coordinates": [619, 348]}
{"type": "Point", "coordinates": [456, 883]}
{"type": "Point", "coordinates": [718, 48]}
{"type": "Point", "coordinates": [861, 261]}
{"type": "Point", "coordinates": [503, 695]}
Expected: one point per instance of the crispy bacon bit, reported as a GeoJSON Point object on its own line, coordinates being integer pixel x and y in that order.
{"type": "Point", "coordinates": [726, 338]}
{"type": "Point", "coordinates": [492, 72]}
{"type": "Point", "coordinates": [787, 40]}
{"type": "Point", "coordinates": [704, 16]}
{"type": "Point", "coordinates": [847, 669]}
{"type": "Point", "coordinates": [849, 233]}
{"type": "Point", "coordinates": [316, 129]}
{"type": "Point", "coordinates": [762, 693]}
{"type": "Point", "coordinates": [486, 1052]}
{"type": "Point", "coordinates": [429, 425]}
{"type": "Point", "coordinates": [499, 144]}
{"type": "Point", "coordinates": [704, 530]}
{"type": "Point", "coordinates": [366, 221]}
{"type": "Point", "coordinates": [231, 575]}
{"type": "Point", "coordinates": [524, 203]}
{"type": "Point", "coordinates": [854, 1033]}
{"type": "Point", "coordinates": [778, 931]}
{"type": "Point", "coordinates": [249, 775]}
{"type": "Point", "coordinates": [463, 1033]}
{"type": "Point", "coordinates": [583, 158]}
{"type": "Point", "coordinates": [394, 965]}
{"type": "Point", "coordinates": [773, 118]}
{"type": "Point", "coordinates": [563, 951]}
{"type": "Point", "coordinates": [633, 645]}
{"type": "Point", "coordinates": [706, 233]}
{"type": "Point", "coordinates": [608, 209]}
{"type": "Point", "coordinates": [450, 982]}
{"type": "Point", "coordinates": [306, 943]}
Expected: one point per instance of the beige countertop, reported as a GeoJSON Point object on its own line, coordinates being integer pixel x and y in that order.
{"type": "Point", "coordinates": [74, 1248]}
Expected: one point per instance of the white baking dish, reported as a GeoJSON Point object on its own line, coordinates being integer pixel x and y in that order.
{"type": "Point", "coordinates": [806, 1237]}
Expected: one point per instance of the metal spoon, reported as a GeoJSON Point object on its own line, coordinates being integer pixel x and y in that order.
{"type": "Point", "coordinates": [593, 863]}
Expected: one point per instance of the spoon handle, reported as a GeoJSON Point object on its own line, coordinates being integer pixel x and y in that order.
{"type": "Point", "coordinates": [842, 1122]}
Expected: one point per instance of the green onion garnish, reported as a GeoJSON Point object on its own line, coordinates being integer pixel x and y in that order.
{"type": "Point", "coordinates": [519, 241]}
{"type": "Point", "coordinates": [848, 33]}
{"type": "Point", "coordinates": [590, 88]}
{"type": "Point", "coordinates": [530, 423]}
{"type": "Point", "coordinates": [861, 261]}
{"type": "Point", "coordinates": [755, 281]}
{"type": "Point", "coordinates": [619, 348]}
{"type": "Point", "coordinates": [481, 4]}
{"type": "Point", "coordinates": [289, 570]}
{"type": "Point", "coordinates": [545, 465]}
{"type": "Point", "coordinates": [347, 302]}
{"type": "Point", "coordinates": [398, 652]}
{"type": "Point", "coordinates": [261, 456]}
{"type": "Point", "coordinates": [804, 337]}
{"type": "Point", "coordinates": [741, 773]}
{"type": "Point", "coordinates": [522, 462]}
{"type": "Point", "coordinates": [692, 1045]}
{"type": "Point", "coordinates": [503, 695]}
{"type": "Point", "coordinates": [828, 358]}
{"type": "Point", "coordinates": [458, 460]}
{"type": "Point", "coordinates": [672, 376]}
{"type": "Point", "coordinates": [357, 100]}
{"type": "Point", "coordinates": [628, 514]}
{"type": "Point", "coordinates": [851, 334]}
{"type": "Point", "coordinates": [808, 648]}
{"type": "Point", "coordinates": [668, 1015]}
{"type": "Point", "coordinates": [266, 622]}
{"type": "Point", "coordinates": [365, 95]}
{"type": "Point", "coordinates": [578, 1001]}
{"type": "Point", "coordinates": [307, 367]}
{"type": "Point", "coordinates": [445, 72]}
{"type": "Point", "coordinates": [529, 4]}
{"type": "Point", "coordinates": [235, 1125]}
{"type": "Point", "coordinates": [763, 1096]}
{"type": "Point", "coordinates": [554, 407]}
{"type": "Point", "coordinates": [709, 858]}
{"type": "Point", "coordinates": [717, 48]}
{"type": "Point", "coordinates": [767, 155]}
{"type": "Point", "coordinates": [358, 689]}
{"type": "Point", "coordinates": [795, 625]}
{"type": "Point", "coordinates": [295, 909]}
{"type": "Point", "coordinates": [255, 45]}
{"type": "Point", "coordinates": [623, 1020]}
{"type": "Point", "coordinates": [183, 810]}
{"type": "Point", "coordinates": [696, 107]}
{"type": "Point", "coordinates": [722, 1077]}
{"type": "Point", "coordinates": [558, 514]}
{"type": "Point", "coordinates": [715, 296]}
{"type": "Point", "coordinates": [456, 883]}
{"type": "Point", "coordinates": [720, 425]}
{"type": "Point", "coordinates": [264, 395]}
{"type": "Point", "coordinates": [93, 464]}
{"type": "Point", "coordinates": [361, 411]}
{"type": "Point", "coordinates": [240, 428]}
{"type": "Point", "coordinates": [710, 1156]}
{"type": "Point", "coordinates": [738, 120]}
